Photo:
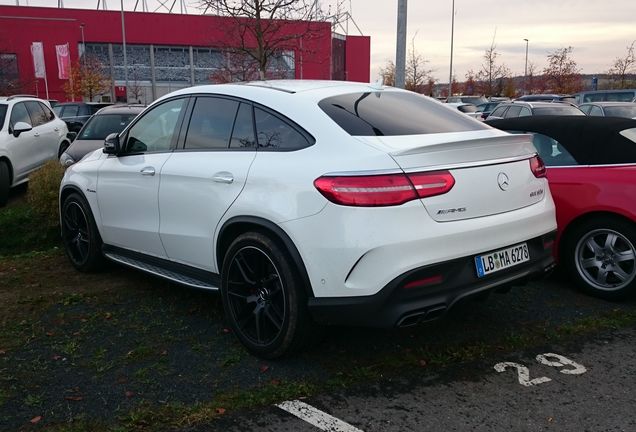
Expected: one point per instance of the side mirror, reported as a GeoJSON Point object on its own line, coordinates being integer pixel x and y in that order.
{"type": "Point", "coordinates": [111, 144]}
{"type": "Point", "coordinates": [20, 127]}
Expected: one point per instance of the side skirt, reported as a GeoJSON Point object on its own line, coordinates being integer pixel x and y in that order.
{"type": "Point", "coordinates": [175, 272]}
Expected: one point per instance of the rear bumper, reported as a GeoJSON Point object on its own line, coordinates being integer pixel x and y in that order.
{"type": "Point", "coordinates": [448, 282]}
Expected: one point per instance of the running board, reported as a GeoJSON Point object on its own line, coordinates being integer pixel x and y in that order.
{"type": "Point", "coordinates": [157, 268]}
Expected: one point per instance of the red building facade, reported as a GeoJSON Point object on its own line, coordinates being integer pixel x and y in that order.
{"type": "Point", "coordinates": [164, 51]}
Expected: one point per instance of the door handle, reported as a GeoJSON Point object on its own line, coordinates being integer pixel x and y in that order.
{"type": "Point", "coordinates": [57, 129]}
{"type": "Point", "coordinates": [147, 171]}
{"type": "Point", "coordinates": [223, 177]}
{"type": "Point", "coordinates": [36, 134]}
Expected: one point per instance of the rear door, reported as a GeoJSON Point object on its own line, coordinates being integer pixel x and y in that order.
{"type": "Point", "coordinates": [204, 177]}
{"type": "Point", "coordinates": [45, 130]}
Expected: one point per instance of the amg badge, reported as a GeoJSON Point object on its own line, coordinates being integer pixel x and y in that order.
{"type": "Point", "coordinates": [452, 210]}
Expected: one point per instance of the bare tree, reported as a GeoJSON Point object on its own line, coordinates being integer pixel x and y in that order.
{"type": "Point", "coordinates": [622, 67]}
{"type": "Point", "coordinates": [562, 73]}
{"type": "Point", "coordinates": [470, 85]}
{"type": "Point", "coordinates": [492, 73]}
{"type": "Point", "coordinates": [261, 29]}
{"type": "Point", "coordinates": [135, 89]}
{"type": "Point", "coordinates": [416, 74]}
{"type": "Point", "coordinates": [388, 73]}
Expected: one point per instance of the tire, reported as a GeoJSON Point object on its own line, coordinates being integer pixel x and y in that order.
{"type": "Point", "coordinates": [600, 256]}
{"type": "Point", "coordinates": [80, 236]}
{"type": "Point", "coordinates": [5, 183]}
{"type": "Point", "coordinates": [62, 148]}
{"type": "Point", "coordinates": [264, 298]}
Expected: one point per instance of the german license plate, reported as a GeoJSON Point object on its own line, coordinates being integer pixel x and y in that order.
{"type": "Point", "coordinates": [501, 259]}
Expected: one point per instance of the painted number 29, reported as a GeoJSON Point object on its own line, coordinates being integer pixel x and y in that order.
{"type": "Point", "coordinates": [548, 359]}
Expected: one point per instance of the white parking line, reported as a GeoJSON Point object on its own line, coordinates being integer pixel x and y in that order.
{"type": "Point", "coordinates": [314, 416]}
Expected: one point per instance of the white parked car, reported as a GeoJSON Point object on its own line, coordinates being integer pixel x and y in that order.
{"type": "Point", "coordinates": [30, 135]}
{"type": "Point", "coordinates": [313, 201]}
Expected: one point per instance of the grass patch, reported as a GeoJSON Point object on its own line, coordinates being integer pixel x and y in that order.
{"type": "Point", "coordinates": [23, 231]}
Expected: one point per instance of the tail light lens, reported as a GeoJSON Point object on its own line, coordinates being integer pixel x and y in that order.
{"type": "Point", "coordinates": [383, 190]}
{"type": "Point", "coordinates": [537, 167]}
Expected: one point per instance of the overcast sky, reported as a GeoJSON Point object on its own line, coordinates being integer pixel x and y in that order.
{"type": "Point", "coordinates": [598, 30]}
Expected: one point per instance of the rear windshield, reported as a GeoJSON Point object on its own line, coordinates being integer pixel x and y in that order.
{"type": "Point", "coordinates": [3, 113]}
{"type": "Point", "coordinates": [99, 127]}
{"type": "Point", "coordinates": [558, 110]}
{"type": "Point", "coordinates": [390, 113]}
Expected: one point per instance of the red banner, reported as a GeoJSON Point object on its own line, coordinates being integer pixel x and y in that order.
{"type": "Point", "coordinates": [63, 61]}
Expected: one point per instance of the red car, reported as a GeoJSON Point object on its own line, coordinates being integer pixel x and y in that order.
{"type": "Point", "coordinates": [591, 167]}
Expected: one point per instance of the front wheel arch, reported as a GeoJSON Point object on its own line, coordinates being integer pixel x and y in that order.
{"type": "Point", "coordinates": [238, 225]}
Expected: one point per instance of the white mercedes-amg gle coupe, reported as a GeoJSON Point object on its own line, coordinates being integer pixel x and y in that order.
{"type": "Point", "coordinates": [313, 202]}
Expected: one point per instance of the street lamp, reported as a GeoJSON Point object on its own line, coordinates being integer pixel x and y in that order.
{"type": "Point", "coordinates": [450, 75]}
{"type": "Point", "coordinates": [525, 73]}
{"type": "Point", "coordinates": [83, 45]}
{"type": "Point", "coordinates": [123, 34]}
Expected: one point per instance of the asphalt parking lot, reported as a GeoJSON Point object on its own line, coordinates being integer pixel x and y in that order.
{"type": "Point", "coordinates": [120, 351]}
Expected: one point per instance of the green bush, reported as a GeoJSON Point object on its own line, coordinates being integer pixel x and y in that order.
{"type": "Point", "coordinates": [44, 187]}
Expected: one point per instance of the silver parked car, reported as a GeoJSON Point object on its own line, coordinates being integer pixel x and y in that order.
{"type": "Point", "coordinates": [609, 109]}
{"type": "Point", "coordinates": [108, 120]}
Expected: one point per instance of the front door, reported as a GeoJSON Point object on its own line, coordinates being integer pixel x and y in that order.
{"type": "Point", "coordinates": [128, 184]}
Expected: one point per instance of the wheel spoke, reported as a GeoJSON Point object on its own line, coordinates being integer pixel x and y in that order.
{"type": "Point", "coordinates": [244, 269]}
{"type": "Point", "coordinates": [268, 313]}
{"type": "Point", "coordinates": [627, 255]}
{"type": "Point", "coordinates": [242, 322]}
{"type": "Point", "coordinates": [590, 262]}
{"type": "Point", "coordinates": [601, 278]}
{"type": "Point", "coordinates": [593, 246]}
{"type": "Point", "coordinates": [620, 274]}
{"type": "Point", "coordinates": [258, 314]}
{"type": "Point", "coordinates": [610, 241]}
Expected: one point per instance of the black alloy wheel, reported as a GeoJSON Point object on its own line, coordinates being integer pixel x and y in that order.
{"type": "Point", "coordinates": [263, 298]}
{"type": "Point", "coordinates": [79, 234]}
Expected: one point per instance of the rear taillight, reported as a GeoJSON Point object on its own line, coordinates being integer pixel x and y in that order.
{"type": "Point", "coordinates": [383, 190]}
{"type": "Point", "coordinates": [537, 167]}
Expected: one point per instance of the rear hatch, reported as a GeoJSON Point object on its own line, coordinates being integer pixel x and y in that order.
{"type": "Point", "coordinates": [491, 170]}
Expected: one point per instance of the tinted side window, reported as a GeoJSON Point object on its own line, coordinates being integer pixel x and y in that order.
{"type": "Point", "coordinates": [243, 133]}
{"type": "Point", "coordinates": [586, 108]}
{"type": "Point", "coordinates": [211, 123]}
{"type": "Point", "coordinates": [551, 151]}
{"type": "Point", "coordinates": [499, 112]}
{"type": "Point", "coordinates": [19, 113]}
{"type": "Point", "coordinates": [154, 132]}
{"type": "Point", "coordinates": [70, 111]}
{"type": "Point", "coordinates": [38, 116]}
{"type": "Point", "coordinates": [275, 134]}
{"type": "Point", "coordinates": [525, 112]}
{"type": "Point", "coordinates": [49, 114]}
{"type": "Point", "coordinates": [595, 111]}
{"type": "Point", "coordinates": [394, 113]}
{"type": "Point", "coordinates": [513, 111]}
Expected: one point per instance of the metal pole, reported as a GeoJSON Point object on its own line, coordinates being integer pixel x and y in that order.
{"type": "Point", "coordinates": [525, 73]}
{"type": "Point", "coordinates": [400, 51]}
{"type": "Point", "coordinates": [450, 75]}
{"type": "Point", "coordinates": [83, 45]}
{"type": "Point", "coordinates": [123, 34]}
